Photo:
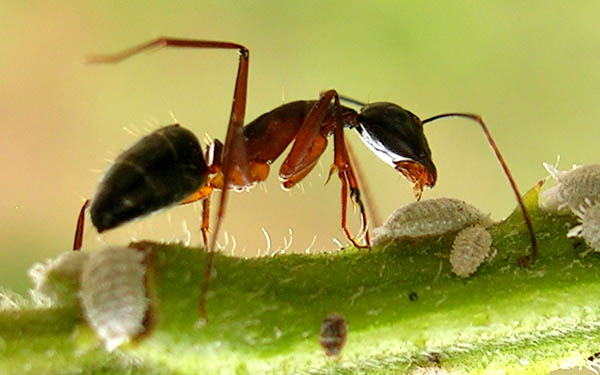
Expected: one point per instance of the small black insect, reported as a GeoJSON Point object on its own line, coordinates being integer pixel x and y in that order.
{"type": "Point", "coordinates": [413, 296]}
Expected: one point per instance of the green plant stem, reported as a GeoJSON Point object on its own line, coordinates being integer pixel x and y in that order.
{"type": "Point", "coordinates": [264, 314]}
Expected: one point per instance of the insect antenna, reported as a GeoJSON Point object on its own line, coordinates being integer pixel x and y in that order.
{"type": "Point", "coordinates": [351, 101]}
{"type": "Point", "coordinates": [527, 259]}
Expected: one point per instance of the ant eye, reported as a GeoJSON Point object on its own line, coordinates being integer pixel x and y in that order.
{"type": "Point", "coordinates": [416, 119]}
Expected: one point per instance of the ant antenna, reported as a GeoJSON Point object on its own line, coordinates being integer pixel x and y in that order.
{"type": "Point", "coordinates": [527, 259]}
{"type": "Point", "coordinates": [351, 101]}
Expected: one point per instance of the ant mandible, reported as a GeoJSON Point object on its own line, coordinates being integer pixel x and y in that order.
{"type": "Point", "coordinates": [167, 167]}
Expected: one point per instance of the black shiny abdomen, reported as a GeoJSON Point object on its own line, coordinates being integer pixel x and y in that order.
{"type": "Point", "coordinates": [161, 169]}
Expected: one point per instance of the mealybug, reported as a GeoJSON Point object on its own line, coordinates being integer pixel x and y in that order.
{"type": "Point", "coordinates": [573, 187]}
{"type": "Point", "coordinates": [471, 247]}
{"type": "Point", "coordinates": [589, 227]}
{"type": "Point", "coordinates": [113, 294]}
{"type": "Point", "coordinates": [430, 217]}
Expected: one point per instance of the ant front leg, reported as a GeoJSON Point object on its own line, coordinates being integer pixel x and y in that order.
{"type": "Point", "coordinates": [375, 217]}
{"type": "Point", "coordinates": [346, 174]}
{"type": "Point", "coordinates": [309, 145]}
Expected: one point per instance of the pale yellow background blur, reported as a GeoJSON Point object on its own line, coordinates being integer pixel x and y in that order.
{"type": "Point", "coordinates": [532, 71]}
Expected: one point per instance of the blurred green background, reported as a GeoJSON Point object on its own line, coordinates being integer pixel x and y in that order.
{"type": "Point", "coordinates": [530, 68]}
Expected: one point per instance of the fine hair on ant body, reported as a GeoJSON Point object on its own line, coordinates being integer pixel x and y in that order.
{"type": "Point", "coordinates": [168, 166]}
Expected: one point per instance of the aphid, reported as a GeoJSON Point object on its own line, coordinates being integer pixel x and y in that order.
{"type": "Point", "coordinates": [470, 248]}
{"type": "Point", "coordinates": [573, 187]}
{"type": "Point", "coordinates": [430, 217]}
{"type": "Point", "coordinates": [589, 224]}
{"type": "Point", "coordinates": [113, 294]}
{"type": "Point", "coordinates": [334, 331]}
{"type": "Point", "coordinates": [413, 296]}
{"type": "Point", "coordinates": [167, 167]}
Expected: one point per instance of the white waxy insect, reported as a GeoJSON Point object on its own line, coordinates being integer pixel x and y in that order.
{"type": "Point", "coordinates": [572, 188]}
{"type": "Point", "coordinates": [429, 218]}
{"type": "Point", "coordinates": [57, 280]}
{"type": "Point", "coordinates": [589, 227]}
{"type": "Point", "coordinates": [113, 294]}
{"type": "Point", "coordinates": [471, 247]}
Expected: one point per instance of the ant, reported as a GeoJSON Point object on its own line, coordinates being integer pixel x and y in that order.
{"type": "Point", "coordinates": [167, 167]}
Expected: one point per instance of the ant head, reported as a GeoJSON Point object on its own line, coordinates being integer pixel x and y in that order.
{"type": "Point", "coordinates": [396, 136]}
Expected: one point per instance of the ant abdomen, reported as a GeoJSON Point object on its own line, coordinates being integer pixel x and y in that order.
{"type": "Point", "coordinates": [161, 169]}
